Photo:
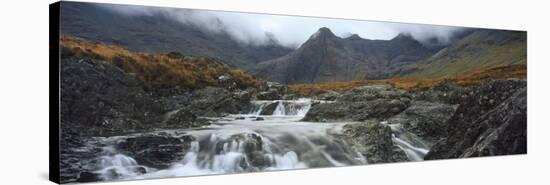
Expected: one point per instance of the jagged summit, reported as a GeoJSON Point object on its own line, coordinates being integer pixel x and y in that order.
{"type": "Point", "coordinates": [354, 37]}
{"type": "Point", "coordinates": [403, 36]}
{"type": "Point", "coordinates": [323, 32]}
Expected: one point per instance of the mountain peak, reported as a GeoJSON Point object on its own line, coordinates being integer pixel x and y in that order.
{"type": "Point", "coordinates": [323, 32]}
{"type": "Point", "coordinates": [354, 36]}
{"type": "Point", "coordinates": [403, 36]}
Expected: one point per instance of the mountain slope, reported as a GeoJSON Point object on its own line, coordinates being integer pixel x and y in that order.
{"type": "Point", "coordinates": [157, 33]}
{"type": "Point", "coordinates": [478, 50]}
{"type": "Point", "coordinates": [327, 58]}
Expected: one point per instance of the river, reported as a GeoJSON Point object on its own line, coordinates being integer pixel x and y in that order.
{"type": "Point", "coordinates": [249, 142]}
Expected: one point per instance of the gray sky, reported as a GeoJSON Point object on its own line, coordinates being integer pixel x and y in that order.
{"type": "Point", "coordinates": [288, 30]}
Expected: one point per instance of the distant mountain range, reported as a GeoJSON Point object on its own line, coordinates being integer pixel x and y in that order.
{"type": "Point", "coordinates": [328, 58]}
{"type": "Point", "coordinates": [324, 57]}
{"type": "Point", "coordinates": [159, 33]}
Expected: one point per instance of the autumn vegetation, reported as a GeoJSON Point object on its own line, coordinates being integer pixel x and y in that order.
{"type": "Point", "coordinates": [163, 70]}
{"type": "Point", "coordinates": [476, 77]}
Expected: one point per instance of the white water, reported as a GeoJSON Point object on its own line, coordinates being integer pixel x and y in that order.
{"type": "Point", "coordinates": [287, 143]}
{"type": "Point", "coordinates": [414, 147]}
{"type": "Point", "coordinates": [284, 107]}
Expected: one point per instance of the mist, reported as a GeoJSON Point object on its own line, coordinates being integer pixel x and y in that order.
{"type": "Point", "coordinates": [289, 31]}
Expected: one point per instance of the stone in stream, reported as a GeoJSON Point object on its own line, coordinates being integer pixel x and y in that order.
{"type": "Point", "coordinates": [184, 118]}
{"type": "Point", "coordinates": [361, 103]}
{"type": "Point", "coordinates": [427, 120]}
{"type": "Point", "coordinates": [259, 119]}
{"type": "Point", "coordinates": [374, 141]}
{"type": "Point", "coordinates": [155, 151]}
{"type": "Point", "coordinates": [88, 177]}
{"type": "Point", "coordinates": [355, 111]}
{"type": "Point", "coordinates": [269, 109]}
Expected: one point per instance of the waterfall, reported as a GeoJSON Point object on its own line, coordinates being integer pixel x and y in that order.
{"type": "Point", "coordinates": [279, 142]}
{"type": "Point", "coordinates": [412, 145]}
{"type": "Point", "coordinates": [283, 107]}
{"type": "Point", "coordinates": [280, 110]}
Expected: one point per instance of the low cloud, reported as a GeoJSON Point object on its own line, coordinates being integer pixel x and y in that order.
{"type": "Point", "coordinates": [290, 31]}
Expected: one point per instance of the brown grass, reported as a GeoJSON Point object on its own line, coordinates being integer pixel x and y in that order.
{"type": "Point", "coordinates": [470, 79]}
{"type": "Point", "coordinates": [157, 70]}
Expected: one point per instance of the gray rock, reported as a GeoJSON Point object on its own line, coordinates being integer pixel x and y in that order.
{"type": "Point", "coordinates": [259, 119]}
{"type": "Point", "coordinates": [425, 119]}
{"type": "Point", "coordinates": [355, 111]}
{"type": "Point", "coordinates": [373, 140]}
{"type": "Point", "coordinates": [215, 101]}
{"type": "Point", "coordinates": [269, 109]}
{"type": "Point", "coordinates": [155, 151]}
{"type": "Point", "coordinates": [492, 120]}
{"type": "Point", "coordinates": [184, 118]}
{"type": "Point", "coordinates": [271, 94]}
{"type": "Point", "coordinates": [105, 99]}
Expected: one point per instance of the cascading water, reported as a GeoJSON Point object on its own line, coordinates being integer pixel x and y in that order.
{"type": "Point", "coordinates": [284, 107]}
{"type": "Point", "coordinates": [414, 147]}
{"type": "Point", "coordinates": [240, 143]}
{"type": "Point", "coordinates": [279, 110]}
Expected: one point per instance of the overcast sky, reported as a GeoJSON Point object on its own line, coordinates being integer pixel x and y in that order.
{"type": "Point", "coordinates": [288, 30]}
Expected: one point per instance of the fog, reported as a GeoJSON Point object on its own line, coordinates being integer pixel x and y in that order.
{"type": "Point", "coordinates": [290, 31]}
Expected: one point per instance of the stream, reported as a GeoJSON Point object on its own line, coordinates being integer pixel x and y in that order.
{"type": "Point", "coordinates": [248, 142]}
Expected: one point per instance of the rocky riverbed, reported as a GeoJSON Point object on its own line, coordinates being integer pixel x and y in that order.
{"type": "Point", "coordinates": [114, 128]}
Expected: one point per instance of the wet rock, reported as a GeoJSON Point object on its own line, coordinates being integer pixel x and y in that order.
{"type": "Point", "coordinates": [373, 140]}
{"type": "Point", "coordinates": [425, 119]}
{"type": "Point", "coordinates": [355, 111]}
{"type": "Point", "coordinates": [215, 102]}
{"type": "Point", "coordinates": [274, 91]}
{"type": "Point", "coordinates": [492, 120]}
{"type": "Point", "coordinates": [104, 98]}
{"type": "Point", "coordinates": [155, 151]}
{"type": "Point", "coordinates": [259, 119]}
{"type": "Point", "coordinates": [372, 92]}
{"type": "Point", "coordinates": [361, 103]}
{"type": "Point", "coordinates": [329, 96]}
{"type": "Point", "coordinates": [251, 145]}
{"type": "Point", "coordinates": [88, 177]}
{"type": "Point", "coordinates": [184, 118]}
{"type": "Point", "coordinates": [445, 93]}
{"type": "Point", "coordinates": [269, 95]}
{"type": "Point", "coordinates": [240, 118]}
{"type": "Point", "coordinates": [269, 109]}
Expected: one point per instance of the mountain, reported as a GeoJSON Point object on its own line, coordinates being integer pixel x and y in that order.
{"type": "Point", "coordinates": [480, 49]}
{"type": "Point", "coordinates": [324, 57]}
{"type": "Point", "coordinates": [158, 33]}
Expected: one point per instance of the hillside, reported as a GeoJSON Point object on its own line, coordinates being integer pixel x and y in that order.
{"type": "Point", "coordinates": [158, 70]}
{"type": "Point", "coordinates": [157, 33]}
{"type": "Point", "coordinates": [478, 50]}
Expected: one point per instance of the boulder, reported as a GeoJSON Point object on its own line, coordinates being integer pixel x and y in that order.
{"type": "Point", "coordinates": [269, 109]}
{"type": "Point", "coordinates": [215, 102]}
{"type": "Point", "coordinates": [372, 92]}
{"type": "Point", "coordinates": [329, 96]}
{"type": "Point", "coordinates": [155, 151]}
{"type": "Point", "coordinates": [88, 177]}
{"type": "Point", "coordinates": [271, 94]}
{"type": "Point", "coordinates": [183, 118]}
{"type": "Point", "coordinates": [259, 119]}
{"type": "Point", "coordinates": [425, 119]}
{"type": "Point", "coordinates": [355, 111]}
{"type": "Point", "coordinates": [373, 140]}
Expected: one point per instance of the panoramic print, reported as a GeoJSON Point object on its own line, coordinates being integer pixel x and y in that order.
{"type": "Point", "coordinates": [156, 92]}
